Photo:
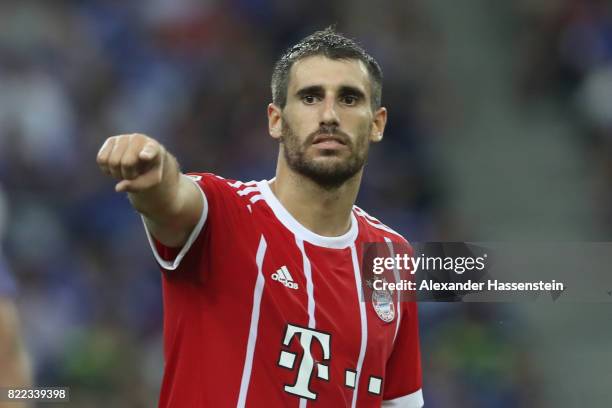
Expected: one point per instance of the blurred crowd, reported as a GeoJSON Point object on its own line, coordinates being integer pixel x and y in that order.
{"type": "Point", "coordinates": [567, 60]}
{"type": "Point", "coordinates": [195, 75]}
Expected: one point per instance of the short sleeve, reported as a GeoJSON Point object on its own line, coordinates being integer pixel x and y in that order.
{"type": "Point", "coordinates": [170, 258]}
{"type": "Point", "coordinates": [403, 378]}
{"type": "Point", "coordinates": [219, 209]}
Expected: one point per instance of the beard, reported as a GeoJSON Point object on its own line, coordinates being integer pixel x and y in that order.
{"type": "Point", "coordinates": [328, 174]}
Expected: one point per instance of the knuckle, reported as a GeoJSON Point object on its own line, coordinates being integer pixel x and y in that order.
{"type": "Point", "coordinates": [138, 137]}
{"type": "Point", "coordinates": [129, 162]}
{"type": "Point", "coordinates": [114, 163]}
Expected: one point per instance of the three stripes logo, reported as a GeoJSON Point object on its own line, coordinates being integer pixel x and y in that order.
{"type": "Point", "coordinates": [283, 276]}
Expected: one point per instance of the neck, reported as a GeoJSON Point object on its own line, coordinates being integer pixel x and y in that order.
{"type": "Point", "coordinates": [324, 212]}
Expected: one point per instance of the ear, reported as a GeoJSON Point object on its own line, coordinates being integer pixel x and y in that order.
{"type": "Point", "coordinates": [275, 124]}
{"type": "Point", "coordinates": [378, 125]}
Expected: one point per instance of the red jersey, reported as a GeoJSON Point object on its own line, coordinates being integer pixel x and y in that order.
{"type": "Point", "coordinates": [261, 312]}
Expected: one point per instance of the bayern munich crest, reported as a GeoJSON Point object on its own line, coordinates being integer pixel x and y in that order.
{"type": "Point", "coordinates": [383, 305]}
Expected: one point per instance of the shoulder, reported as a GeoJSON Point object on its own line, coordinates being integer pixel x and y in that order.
{"type": "Point", "coordinates": [374, 230]}
{"type": "Point", "coordinates": [211, 181]}
{"type": "Point", "coordinates": [224, 191]}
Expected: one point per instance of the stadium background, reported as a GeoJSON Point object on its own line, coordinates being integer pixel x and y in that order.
{"type": "Point", "coordinates": [500, 129]}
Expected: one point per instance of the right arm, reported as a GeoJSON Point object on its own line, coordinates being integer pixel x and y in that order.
{"type": "Point", "coordinates": [169, 202]}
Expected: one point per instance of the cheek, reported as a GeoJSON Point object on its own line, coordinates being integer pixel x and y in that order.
{"type": "Point", "coordinates": [364, 135]}
{"type": "Point", "coordinates": [294, 120]}
{"type": "Point", "coordinates": [358, 120]}
{"type": "Point", "coordinates": [302, 130]}
{"type": "Point", "coordinates": [362, 128]}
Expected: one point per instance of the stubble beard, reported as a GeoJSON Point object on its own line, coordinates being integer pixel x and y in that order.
{"type": "Point", "coordinates": [328, 174]}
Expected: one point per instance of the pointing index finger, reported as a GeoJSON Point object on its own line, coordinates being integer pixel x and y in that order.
{"type": "Point", "coordinates": [149, 151]}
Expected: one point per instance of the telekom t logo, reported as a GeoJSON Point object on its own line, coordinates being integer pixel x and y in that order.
{"type": "Point", "coordinates": [287, 359]}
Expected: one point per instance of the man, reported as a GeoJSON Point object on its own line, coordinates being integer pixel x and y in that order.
{"type": "Point", "coordinates": [261, 280]}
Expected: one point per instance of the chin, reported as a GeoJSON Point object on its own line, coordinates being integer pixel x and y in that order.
{"type": "Point", "coordinates": [331, 155]}
{"type": "Point", "coordinates": [329, 164]}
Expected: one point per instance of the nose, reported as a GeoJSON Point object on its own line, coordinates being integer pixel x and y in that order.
{"type": "Point", "coordinates": [329, 116]}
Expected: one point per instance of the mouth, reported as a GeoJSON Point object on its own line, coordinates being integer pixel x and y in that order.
{"type": "Point", "coordinates": [328, 140]}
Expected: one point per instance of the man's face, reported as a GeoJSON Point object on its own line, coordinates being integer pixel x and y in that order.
{"type": "Point", "coordinates": [328, 122]}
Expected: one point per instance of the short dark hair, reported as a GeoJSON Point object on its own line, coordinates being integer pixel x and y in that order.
{"type": "Point", "coordinates": [330, 44]}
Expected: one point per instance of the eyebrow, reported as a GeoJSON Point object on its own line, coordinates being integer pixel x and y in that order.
{"type": "Point", "coordinates": [319, 91]}
{"type": "Point", "coordinates": [351, 90]}
{"type": "Point", "coordinates": [310, 90]}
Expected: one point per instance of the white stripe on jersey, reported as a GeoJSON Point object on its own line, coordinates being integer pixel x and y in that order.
{"type": "Point", "coordinates": [397, 279]}
{"type": "Point", "coordinates": [237, 184]}
{"type": "Point", "coordinates": [309, 284]}
{"type": "Point", "coordinates": [310, 291]}
{"type": "Point", "coordinates": [361, 212]}
{"type": "Point", "coordinates": [256, 198]}
{"type": "Point", "coordinates": [364, 323]}
{"type": "Point", "coordinates": [374, 222]}
{"type": "Point", "coordinates": [257, 293]}
{"type": "Point", "coordinates": [248, 190]}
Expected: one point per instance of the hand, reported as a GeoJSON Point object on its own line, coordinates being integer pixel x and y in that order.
{"type": "Point", "coordinates": [134, 159]}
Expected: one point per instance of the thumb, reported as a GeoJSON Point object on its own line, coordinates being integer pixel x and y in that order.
{"type": "Point", "coordinates": [122, 186]}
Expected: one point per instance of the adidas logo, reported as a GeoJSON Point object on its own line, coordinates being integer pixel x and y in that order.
{"type": "Point", "coordinates": [283, 276]}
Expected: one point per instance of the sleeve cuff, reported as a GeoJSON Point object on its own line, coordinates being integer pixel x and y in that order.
{"type": "Point", "coordinates": [172, 264]}
{"type": "Point", "coordinates": [414, 400]}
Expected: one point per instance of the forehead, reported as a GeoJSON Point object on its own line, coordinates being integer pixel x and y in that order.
{"type": "Point", "coordinates": [319, 70]}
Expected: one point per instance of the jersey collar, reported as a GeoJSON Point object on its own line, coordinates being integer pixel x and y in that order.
{"type": "Point", "coordinates": [339, 242]}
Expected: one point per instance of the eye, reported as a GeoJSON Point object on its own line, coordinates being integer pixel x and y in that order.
{"type": "Point", "coordinates": [309, 99]}
{"type": "Point", "coordinates": [349, 100]}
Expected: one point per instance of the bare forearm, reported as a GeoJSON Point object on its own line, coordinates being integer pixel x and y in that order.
{"type": "Point", "coordinates": [171, 213]}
